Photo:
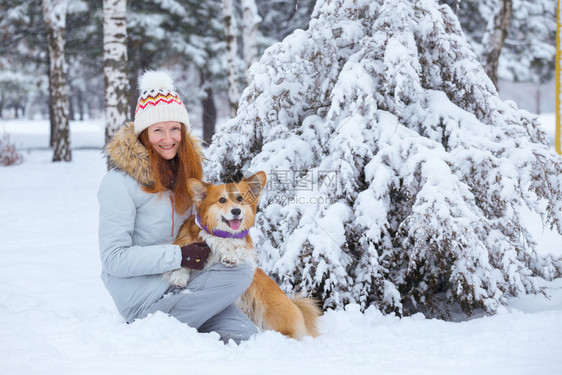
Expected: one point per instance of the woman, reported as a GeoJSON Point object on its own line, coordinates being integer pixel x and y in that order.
{"type": "Point", "coordinates": [143, 202]}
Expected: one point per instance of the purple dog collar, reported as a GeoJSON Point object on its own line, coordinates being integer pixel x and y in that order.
{"type": "Point", "coordinates": [220, 233]}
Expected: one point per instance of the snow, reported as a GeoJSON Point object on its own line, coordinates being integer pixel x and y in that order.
{"type": "Point", "coordinates": [26, 134]}
{"type": "Point", "coordinates": [56, 316]}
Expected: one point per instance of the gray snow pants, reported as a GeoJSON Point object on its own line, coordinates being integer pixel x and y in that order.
{"type": "Point", "coordinates": [206, 302]}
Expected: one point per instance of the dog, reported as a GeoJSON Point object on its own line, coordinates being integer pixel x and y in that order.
{"type": "Point", "coordinates": [225, 213]}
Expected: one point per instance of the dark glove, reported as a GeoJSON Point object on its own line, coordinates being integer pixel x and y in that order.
{"type": "Point", "coordinates": [195, 255]}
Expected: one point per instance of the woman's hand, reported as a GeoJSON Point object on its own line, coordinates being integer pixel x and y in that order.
{"type": "Point", "coordinates": [195, 255]}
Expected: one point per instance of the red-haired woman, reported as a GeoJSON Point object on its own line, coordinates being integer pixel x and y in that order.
{"type": "Point", "coordinates": [143, 202]}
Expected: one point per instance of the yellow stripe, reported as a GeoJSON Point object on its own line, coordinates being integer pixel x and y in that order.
{"type": "Point", "coordinates": [557, 108]}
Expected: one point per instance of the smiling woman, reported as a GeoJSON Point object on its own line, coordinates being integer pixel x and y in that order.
{"type": "Point", "coordinates": [143, 201]}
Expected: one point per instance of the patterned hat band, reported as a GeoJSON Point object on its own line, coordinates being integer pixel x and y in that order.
{"type": "Point", "coordinates": [156, 97]}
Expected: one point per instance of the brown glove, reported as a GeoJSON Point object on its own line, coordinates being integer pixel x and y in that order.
{"type": "Point", "coordinates": [195, 255]}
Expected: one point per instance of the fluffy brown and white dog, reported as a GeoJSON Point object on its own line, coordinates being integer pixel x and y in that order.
{"type": "Point", "coordinates": [225, 213]}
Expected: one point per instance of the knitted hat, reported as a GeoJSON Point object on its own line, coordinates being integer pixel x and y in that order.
{"type": "Point", "coordinates": [158, 102]}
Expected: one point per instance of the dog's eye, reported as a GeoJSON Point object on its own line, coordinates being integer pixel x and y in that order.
{"type": "Point", "coordinates": [222, 200]}
{"type": "Point", "coordinates": [239, 198]}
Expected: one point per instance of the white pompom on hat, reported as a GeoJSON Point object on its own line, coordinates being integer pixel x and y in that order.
{"type": "Point", "coordinates": [158, 102]}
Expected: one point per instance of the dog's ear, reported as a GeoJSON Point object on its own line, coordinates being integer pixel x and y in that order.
{"type": "Point", "coordinates": [256, 184]}
{"type": "Point", "coordinates": [197, 189]}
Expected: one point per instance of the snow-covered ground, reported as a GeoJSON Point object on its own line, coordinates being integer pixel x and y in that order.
{"type": "Point", "coordinates": [56, 317]}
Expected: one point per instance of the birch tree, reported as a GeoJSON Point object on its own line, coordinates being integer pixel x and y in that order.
{"type": "Point", "coordinates": [251, 20]}
{"type": "Point", "coordinates": [115, 65]}
{"type": "Point", "coordinates": [54, 15]}
{"type": "Point", "coordinates": [231, 33]}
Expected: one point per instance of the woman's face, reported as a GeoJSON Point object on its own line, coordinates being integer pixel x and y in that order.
{"type": "Point", "coordinates": [165, 137]}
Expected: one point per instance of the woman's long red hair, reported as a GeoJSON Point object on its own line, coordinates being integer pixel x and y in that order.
{"type": "Point", "coordinates": [173, 174]}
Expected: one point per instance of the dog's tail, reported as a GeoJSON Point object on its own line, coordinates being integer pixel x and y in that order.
{"type": "Point", "coordinates": [310, 312]}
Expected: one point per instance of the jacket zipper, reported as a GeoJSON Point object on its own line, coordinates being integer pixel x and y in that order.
{"type": "Point", "coordinates": [173, 223]}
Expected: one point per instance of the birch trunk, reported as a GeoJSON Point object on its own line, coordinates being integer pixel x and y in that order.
{"type": "Point", "coordinates": [230, 30]}
{"type": "Point", "coordinates": [54, 14]}
{"type": "Point", "coordinates": [251, 21]}
{"type": "Point", "coordinates": [115, 65]}
{"type": "Point", "coordinates": [493, 39]}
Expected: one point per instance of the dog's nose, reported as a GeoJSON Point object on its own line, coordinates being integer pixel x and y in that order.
{"type": "Point", "coordinates": [236, 211]}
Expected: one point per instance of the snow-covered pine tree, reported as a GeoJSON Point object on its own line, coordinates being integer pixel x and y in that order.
{"type": "Point", "coordinates": [192, 32]}
{"type": "Point", "coordinates": [396, 173]}
{"type": "Point", "coordinates": [23, 49]}
{"type": "Point", "coordinates": [84, 56]}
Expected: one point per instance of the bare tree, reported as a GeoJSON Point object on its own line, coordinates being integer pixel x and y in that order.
{"type": "Point", "coordinates": [494, 38]}
{"type": "Point", "coordinates": [54, 14]}
{"type": "Point", "coordinates": [115, 65]}
{"type": "Point", "coordinates": [231, 32]}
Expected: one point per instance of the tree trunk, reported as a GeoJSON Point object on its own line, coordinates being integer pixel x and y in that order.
{"type": "Point", "coordinates": [538, 101]}
{"type": "Point", "coordinates": [231, 55]}
{"type": "Point", "coordinates": [80, 100]}
{"type": "Point", "coordinates": [54, 13]}
{"type": "Point", "coordinates": [494, 38]}
{"type": "Point", "coordinates": [52, 127]}
{"type": "Point", "coordinates": [209, 116]}
{"type": "Point", "coordinates": [251, 20]}
{"type": "Point", "coordinates": [133, 94]}
{"type": "Point", "coordinates": [71, 104]}
{"type": "Point", "coordinates": [115, 65]}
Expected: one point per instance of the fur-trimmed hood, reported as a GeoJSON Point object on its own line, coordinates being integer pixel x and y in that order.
{"type": "Point", "coordinates": [127, 153]}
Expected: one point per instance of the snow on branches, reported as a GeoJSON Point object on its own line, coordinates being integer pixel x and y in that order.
{"type": "Point", "coordinates": [396, 173]}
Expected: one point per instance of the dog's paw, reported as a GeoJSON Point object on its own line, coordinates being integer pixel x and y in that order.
{"type": "Point", "coordinates": [178, 277]}
{"type": "Point", "coordinates": [230, 260]}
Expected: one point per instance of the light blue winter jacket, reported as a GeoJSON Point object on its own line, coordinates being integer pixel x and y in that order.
{"type": "Point", "coordinates": [136, 229]}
